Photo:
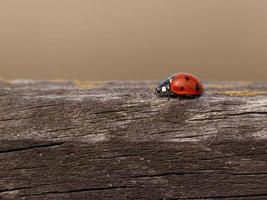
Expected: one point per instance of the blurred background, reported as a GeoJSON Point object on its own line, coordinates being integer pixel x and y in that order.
{"type": "Point", "coordinates": [133, 39]}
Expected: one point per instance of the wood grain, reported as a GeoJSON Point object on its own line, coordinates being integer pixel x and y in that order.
{"type": "Point", "coordinates": [117, 140]}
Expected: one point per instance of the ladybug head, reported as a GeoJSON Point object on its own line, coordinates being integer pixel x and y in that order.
{"type": "Point", "coordinates": [163, 87]}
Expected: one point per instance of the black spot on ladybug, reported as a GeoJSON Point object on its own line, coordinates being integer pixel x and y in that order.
{"type": "Point", "coordinates": [187, 78]}
{"type": "Point", "coordinates": [182, 88]}
{"type": "Point", "coordinates": [197, 87]}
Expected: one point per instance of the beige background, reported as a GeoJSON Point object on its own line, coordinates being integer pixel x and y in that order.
{"type": "Point", "coordinates": [133, 39]}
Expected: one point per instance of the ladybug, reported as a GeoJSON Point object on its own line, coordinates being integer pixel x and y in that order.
{"type": "Point", "coordinates": [180, 84]}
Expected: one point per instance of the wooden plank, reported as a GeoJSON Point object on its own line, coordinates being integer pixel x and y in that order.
{"type": "Point", "coordinates": [117, 140]}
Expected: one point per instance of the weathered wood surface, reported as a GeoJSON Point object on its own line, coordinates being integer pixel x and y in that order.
{"type": "Point", "coordinates": [117, 140]}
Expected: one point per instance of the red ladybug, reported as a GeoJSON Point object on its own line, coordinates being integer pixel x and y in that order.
{"type": "Point", "coordinates": [181, 84]}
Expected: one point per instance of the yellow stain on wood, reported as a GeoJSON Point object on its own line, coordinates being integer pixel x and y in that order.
{"type": "Point", "coordinates": [87, 84]}
{"type": "Point", "coordinates": [58, 81]}
{"type": "Point", "coordinates": [151, 87]}
{"type": "Point", "coordinates": [218, 86]}
{"type": "Point", "coordinates": [225, 86]}
{"type": "Point", "coordinates": [243, 93]}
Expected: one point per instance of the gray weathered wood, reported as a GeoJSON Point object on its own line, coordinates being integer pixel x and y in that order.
{"type": "Point", "coordinates": [117, 140]}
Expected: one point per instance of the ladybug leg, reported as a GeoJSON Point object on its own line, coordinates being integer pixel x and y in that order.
{"type": "Point", "coordinates": [169, 95]}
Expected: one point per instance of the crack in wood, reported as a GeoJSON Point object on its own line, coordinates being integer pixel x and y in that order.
{"type": "Point", "coordinates": [248, 113]}
{"type": "Point", "coordinates": [79, 191]}
{"type": "Point", "coordinates": [55, 144]}
{"type": "Point", "coordinates": [165, 174]}
{"type": "Point", "coordinates": [230, 196]}
{"type": "Point", "coordinates": [250, 174]}
{"type": "Point", "coordinates": [232, 156]}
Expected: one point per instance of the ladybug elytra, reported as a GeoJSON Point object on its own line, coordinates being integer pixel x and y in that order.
{"type": "Point", "coordinates": [180, 84]}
